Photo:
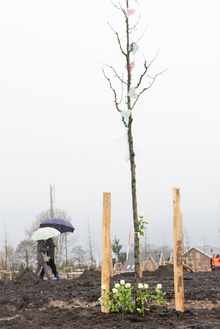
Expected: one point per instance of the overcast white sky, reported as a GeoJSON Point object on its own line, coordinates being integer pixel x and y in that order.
{"type": "Point", "coordinates": [58, 123]}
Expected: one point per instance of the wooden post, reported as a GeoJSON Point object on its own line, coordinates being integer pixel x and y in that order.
{"type": "Point", "coordinates": [141, 270]}
{"type": "Point", "coordinates": [106, 245]}
{"type": "Point", "coordinates": [111, 266]}
{"type": "Point", "coordinates": [177, 248]}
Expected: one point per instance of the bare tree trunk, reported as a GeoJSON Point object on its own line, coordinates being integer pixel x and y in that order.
{"type": "Point", "coordinates": [135, 211]}
{"type": "Point", "coordinates": [6, 248]}
{"type": "Point", "coordinates": [133, 167]}
{"type": "Point", "coordinates": [90, 244]}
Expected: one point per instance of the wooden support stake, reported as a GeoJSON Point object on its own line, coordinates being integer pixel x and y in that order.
{"type": "Point", "coordinates": [106, 245]}
{"type": "Point", "coordinates": [177, 248]}
{"type": "Point", "coordinates": [141, 270]}
{"type": "Point", "coordinates": [111, 266]}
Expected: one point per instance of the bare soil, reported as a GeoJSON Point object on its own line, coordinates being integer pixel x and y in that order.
{"type": "Point", "coordinates": [28, 302]}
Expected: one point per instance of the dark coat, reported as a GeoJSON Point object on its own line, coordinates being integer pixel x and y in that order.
{"type": "Point", "coordinates": [41, 247]}
{"type": "Point", "coordinates": [50, 244]}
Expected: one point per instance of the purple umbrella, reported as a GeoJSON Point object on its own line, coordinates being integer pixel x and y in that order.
{"type": "Point", "coordinates": [58, 223]}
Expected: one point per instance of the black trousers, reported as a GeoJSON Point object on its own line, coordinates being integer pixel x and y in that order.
{"type": "Point", "coordinates": [52, 266]}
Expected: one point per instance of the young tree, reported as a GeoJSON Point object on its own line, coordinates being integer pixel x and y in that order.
{"type": "Point", "coordinates": [90, 246]}
{"type": "Point", "coordinates": [116, 248]}
{"type": "Point", "coordinates": [132, 93]}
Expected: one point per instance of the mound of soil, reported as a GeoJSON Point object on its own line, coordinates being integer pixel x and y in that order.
{"type": "Point", "coordinates": [29, 302]}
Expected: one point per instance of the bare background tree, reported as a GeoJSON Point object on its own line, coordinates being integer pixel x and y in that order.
{"type": "Point", "coordinates": [80, 257]}
{"type": "Point", "coordinates": [131, 91]}
{"type": "Point", "coordinates": [90, 245]}
{"type": "Point", "coordinates": [25, 254]}
{"type": "Point", "coordinates": [7, 256]}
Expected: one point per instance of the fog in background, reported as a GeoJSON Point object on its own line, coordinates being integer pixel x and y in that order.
{"type": "Point", "coordinates": [58, 122]}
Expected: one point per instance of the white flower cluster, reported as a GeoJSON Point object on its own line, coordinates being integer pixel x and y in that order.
{"type": "Point", "coordinates": [141, 286]}
{"type": "Point", "coordinates": [118, 285]}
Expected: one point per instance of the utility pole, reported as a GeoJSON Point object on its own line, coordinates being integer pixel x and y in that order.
{"type": "Point", "coordinates": [52, 187]}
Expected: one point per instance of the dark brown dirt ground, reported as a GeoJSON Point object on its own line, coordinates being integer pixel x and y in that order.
{"type": "Point", "coordinates": [28, 302]}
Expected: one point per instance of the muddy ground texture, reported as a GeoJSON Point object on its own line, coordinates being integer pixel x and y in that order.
{"type": "Point", "coordinates": [28, 302]}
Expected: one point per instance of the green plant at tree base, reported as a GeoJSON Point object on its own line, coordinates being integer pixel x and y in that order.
{"type": "Point", "coordinates": [104, 299]}
{"type": "Point", "coordinates": [122, 298]}
{"type": "Point", "coordinates": [141, 223]}
{"type": "Point", "coordinates": [159, 296]}
{"type": "Point", "coordinates": [122, 295]}
{"type": "Point", "coordinates": [143, 295]}
{"type": "Point", "coordinates": [123, 301]}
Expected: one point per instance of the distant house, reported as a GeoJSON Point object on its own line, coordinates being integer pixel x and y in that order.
{"type": "Point", "coordinates": [153, 260]}
{"type": "Point", "coordinates": [198, 257]}
{"type": "Point", "coordinates": [150, 261]}
{"type": "Point", "coordinates": [149, 264]}
{"type": "Point", "coordinates": [209, 250]}
{"type": "Point", "coordinates": [170, 257]}
{"type": "Point", "coordinates": [130, 263]}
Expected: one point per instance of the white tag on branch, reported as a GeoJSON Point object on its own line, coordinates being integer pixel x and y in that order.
{"type": "Point", "coordinates": [132, 93]}
{"type": "Point", "coordinates": [123, 145]}
{"type": "Point", "coordinates": [126, 115]}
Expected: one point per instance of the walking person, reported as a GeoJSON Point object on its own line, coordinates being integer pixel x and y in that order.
{"type": "Point", "coordinates": [212, 262]}
{"type": "Point", "coordinates": [50, 247]}
{"type": "Point", "coordinates": [41, 252]}
{"type": "Point", "coordinates": [217, 263]}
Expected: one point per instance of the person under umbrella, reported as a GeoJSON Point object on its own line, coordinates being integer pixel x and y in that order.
{"type": "Point", "coordinates": [50, 247]}
{"type": "Point", "coordinates": [42, 248]}
{"type": "Point", "coordinates": [60, 224]}
{"type": "Point", "coordinates": [41, 235]}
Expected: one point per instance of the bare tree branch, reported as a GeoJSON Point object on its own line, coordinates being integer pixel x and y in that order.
{"type": "Point", "coordinates": [115, 97]}
{"type": "Point", "coordinates": [116, 74]}
{"type": "Point", "coordinates": [142, 34]}
{"type": "Point", "coordinates": [134, 27]}
{"type": "Point", "coordinates": [145, 69]}
{"type": "Point", "coordinates": [142, 75]}
{"type": "Point", "coordinates": [146, 88]}
{"type": "Point", "coordinates": [122, 89]}
{"type": "Point", "coordinates": [154, 58]}
{"type": "Point", "coordinates": [114, 92]}
{"type": "Point", "coordinates": [119, 41]}
{"type": "Point", "coordinates": [113, 4]}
